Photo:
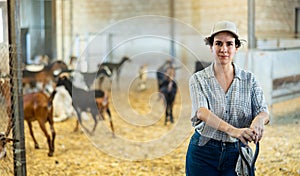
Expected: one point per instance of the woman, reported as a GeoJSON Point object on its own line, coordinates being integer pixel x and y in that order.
{"type": "Point", "coordinates": [227, 105]}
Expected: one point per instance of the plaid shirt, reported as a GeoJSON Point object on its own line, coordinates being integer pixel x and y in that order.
{"type": "Point", "coordinates": [238, 106]}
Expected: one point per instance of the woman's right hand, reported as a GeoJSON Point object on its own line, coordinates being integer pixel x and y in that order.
{"type": "Point", "coordinates": [243, 134]}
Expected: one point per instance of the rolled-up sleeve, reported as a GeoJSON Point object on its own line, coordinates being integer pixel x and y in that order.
{"type": "Point", "coordinates": [198, 98]}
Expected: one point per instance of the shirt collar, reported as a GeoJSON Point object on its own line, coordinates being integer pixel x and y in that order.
{"type": "Point", "coordinates": [210, 71]}
{"type": "Point", "coordinates": [237, 71]}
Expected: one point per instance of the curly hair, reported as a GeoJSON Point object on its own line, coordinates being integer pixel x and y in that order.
{"type": "Point", "coordinates": [210, 41]}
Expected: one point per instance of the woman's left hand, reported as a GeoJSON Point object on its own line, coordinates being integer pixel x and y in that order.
{"type": "Point", "coordinates": [258, 125]}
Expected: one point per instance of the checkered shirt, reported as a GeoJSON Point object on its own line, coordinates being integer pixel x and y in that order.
{"type": "Point", "coordinates": [238, 106]}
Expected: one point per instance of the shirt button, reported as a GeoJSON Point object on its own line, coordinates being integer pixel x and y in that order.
{"type": "Point", "coordinates": [226, 112]}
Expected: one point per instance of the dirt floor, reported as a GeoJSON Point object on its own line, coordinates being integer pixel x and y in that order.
{"type": "Point", "coordinates": [147, 146]}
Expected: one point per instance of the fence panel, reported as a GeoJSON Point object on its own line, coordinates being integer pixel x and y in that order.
{"type": "Point", "coordinates": [6, 126]}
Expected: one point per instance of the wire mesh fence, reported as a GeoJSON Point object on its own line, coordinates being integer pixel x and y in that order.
{"type": "Point", "coordinates": [7, 162]}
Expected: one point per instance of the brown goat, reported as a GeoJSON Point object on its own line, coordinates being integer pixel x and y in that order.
{"type": "Point", "coordinates": [38, 106]}
{"type": "Point", "coordinates": [103, 105]}
{"type": "Point", "coordinates": [45, 75]}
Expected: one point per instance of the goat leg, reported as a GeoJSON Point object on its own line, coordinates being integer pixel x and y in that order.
{"type": "Point", "coordinates": [110, 121]}
{"type": "Point", "coordinates": [95, 125]}
{"type": "Point", "coordinates": [171, 115]}
{"type": "Point", "coordinates": [78, 112]}
{"type": "Point", "coordinates": [36, 145]}
{"type": "Point", "coordinates": [76, 126]}
{"type": "Point", "coordinates": [167, 115]}
{"type": "Point", "coordinates": [49, 141]}
{"type": "Point", "coordinates": [52, 146]}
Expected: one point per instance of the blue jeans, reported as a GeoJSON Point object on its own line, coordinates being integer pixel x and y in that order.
{"type": "Point", "coordinates": [215, 158]}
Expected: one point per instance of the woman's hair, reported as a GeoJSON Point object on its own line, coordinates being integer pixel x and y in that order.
{"type": "Point", "coordinates": [210, 41]}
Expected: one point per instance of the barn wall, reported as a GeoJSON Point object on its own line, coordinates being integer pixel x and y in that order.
{"type": "Point", "coordinates": [89, 32]}
{"type": "Point", "coordinates": [276, 18]}
{"type": "Point", "coordinates": [81, 19]}
{"type": "Point", "coordinates": [270, 65]}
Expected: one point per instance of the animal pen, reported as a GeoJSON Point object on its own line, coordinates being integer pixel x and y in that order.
{"type": "Point", "coordinates": [11, 103]}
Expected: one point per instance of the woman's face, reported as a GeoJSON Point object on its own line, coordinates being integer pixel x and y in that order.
{"type": "Point", "coordinates": [224, 48]}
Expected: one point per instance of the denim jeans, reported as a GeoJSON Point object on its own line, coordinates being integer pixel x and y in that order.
{"type": "Point", "coordinates": [215, 158]}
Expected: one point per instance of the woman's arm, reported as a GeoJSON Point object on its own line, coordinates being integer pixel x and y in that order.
{"type": "Point", "coordinates": [244, 134]}
{"type": "Point", "coordinates": [260, 110]}
{"type": "Point", "coordinates": [258, 125]}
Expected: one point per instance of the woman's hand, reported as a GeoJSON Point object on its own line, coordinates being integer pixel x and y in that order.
{"type": "Point", "coordinates": [258, 125]}
{"type": "Point", "coordinates": [243, 134]}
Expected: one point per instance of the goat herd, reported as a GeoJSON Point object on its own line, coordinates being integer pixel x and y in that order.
{"type": "Point", "coordinates": [38, 103]}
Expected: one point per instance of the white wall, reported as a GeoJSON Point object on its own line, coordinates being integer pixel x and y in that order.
{"type": "Point", "coordinates": [269, 65]}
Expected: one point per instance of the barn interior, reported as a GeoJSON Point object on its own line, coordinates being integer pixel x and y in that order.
{"type": "Point", "coordinates": [85, 34]}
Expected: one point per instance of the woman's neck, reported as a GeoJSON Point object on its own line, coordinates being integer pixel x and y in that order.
{"type": "Point", "coordinates": [223, 70]}
{"type": "Point", "coordinates": [224, 74]}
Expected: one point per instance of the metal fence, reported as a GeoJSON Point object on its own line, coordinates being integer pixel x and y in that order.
{"type": "Point", "coordinates": [11, 111]}
{"type": "Point", "coordinates": [7, 163]}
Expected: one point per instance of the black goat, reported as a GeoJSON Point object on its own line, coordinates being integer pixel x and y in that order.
{"type": "Point", "coordinates": [89, 78]}
{"type": "Point", "coordinates": [168, 89]}
{"type": "Point", "coordinates": [83, 100]}
{"type": "Point", "coordinates": [161, 71]}
{"type": "Point", "coordinates": [115, 68]}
